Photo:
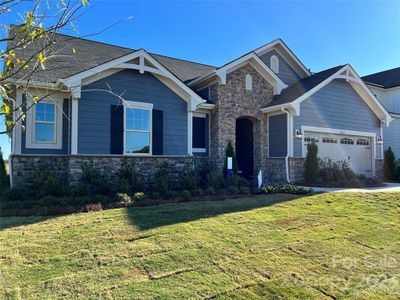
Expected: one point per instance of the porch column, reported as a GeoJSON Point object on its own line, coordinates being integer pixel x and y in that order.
{"type": "Point", "coordinates": [74, 126]}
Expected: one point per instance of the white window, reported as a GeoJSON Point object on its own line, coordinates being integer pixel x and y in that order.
{"type": "Point", "coordinates": [310, 137]}
{"type": "Point", "coordinates": [138, 127]}
{"type": "Point", "coordinates": [249, 82]}
{"type": "Point", "coordinates": [44, 124]}
{"type": "Point", "coordinates": [274, 64]}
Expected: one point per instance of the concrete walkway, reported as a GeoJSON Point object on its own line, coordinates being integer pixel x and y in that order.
{"type": "Point", "coordinates": [389, 187]}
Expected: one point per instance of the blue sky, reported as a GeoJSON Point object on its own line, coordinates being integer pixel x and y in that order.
{"type": "Point", "coordinates": [322, 34]}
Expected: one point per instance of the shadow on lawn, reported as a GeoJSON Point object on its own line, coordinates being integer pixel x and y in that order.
{"type": "Point", "coordinates": [15, 221]}
{"type": "Point", "coordinates": [161, 215]}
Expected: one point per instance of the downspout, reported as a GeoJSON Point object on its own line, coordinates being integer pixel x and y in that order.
{"type": "Point", "coordinates": [288, 143]}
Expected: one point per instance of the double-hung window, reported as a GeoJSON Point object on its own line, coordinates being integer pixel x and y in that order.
{"type": "Point", "coordinates": [45, 123]}
{"type": "Point", "coordinates": [138, 127]}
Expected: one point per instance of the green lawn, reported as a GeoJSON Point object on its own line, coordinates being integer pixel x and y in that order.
{"type": "Point", "coordinates": [329, 246]}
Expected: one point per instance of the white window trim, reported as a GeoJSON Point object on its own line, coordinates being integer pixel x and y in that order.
{"type": "Point", "coordinates": [30, 142]}
{"type": "Point", "coordinates": [200, 150]}
{"type": "Point", "coordinates": [274, 64]}
{"type": "Point", "coordinates": [139, 105]}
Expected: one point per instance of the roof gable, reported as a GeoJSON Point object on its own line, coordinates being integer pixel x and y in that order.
{"type": "Point", "coordinates": [385, 79]}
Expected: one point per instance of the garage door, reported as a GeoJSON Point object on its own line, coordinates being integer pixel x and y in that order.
{"type": "Point", "coordinates": [356, 150]}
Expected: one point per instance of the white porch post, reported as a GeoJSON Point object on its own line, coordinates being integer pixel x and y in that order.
{"type": "Point", "coordinates": [190, 136]}
{"type": "Point", "coordinates": [17, 132]}
{"type": "Point", "coordinates": [74, 126]}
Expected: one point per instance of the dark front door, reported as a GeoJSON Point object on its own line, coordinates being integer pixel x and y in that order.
{"type": "Point", "coordinates": [244, 147]}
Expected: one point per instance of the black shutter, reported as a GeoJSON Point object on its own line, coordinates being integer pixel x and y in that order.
{"type": "Point", "coordinates": [158, 128]}
{"type": "Point", "coordinates": [117, 129]}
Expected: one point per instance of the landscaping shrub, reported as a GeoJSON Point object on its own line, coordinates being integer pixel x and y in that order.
{"type": "Point", "coordinates": [98, 182]}
{"type": "Point", "coordinates": [154, 195]}
{"type": "Point", "coordinates": [210, 191]}
{"type": "Point", "coordinates": [16, 193]}
{"type": "Point", "coordinates": [104, 186]}
{"type": "Point", "coordinates": [230, 152]}
{"type": "Point", "coordinates": [244, 190]}
{"type": "Point", "coordinates": [92, 207]}
{"type": "Point", "coordinates": [233, 190]}
{"type": "Point", "coordinates": [338, 174]}
{"type": "Point", "coordinates": [189, 176]}
{"type": "Point", "coordinates": [185, 194]}
{"type": "Point", "coordinates": [311, 168]}
{"type": "Point", "coordinates": [81, 189]}
{"type": "Point", "coordinates": [4, 178]}
{"type": "Point", "coordinates": [123, 186]}
{"type": "Point", "coordinates": [139, 196]}
{"type": "Point", "coordinates": [389, 165]}
{"type": "Point", "coordinates": [46, 182]}
{"type": "Point", "coordinates": [198, 193]}
{"type": "Point", "coordinates": [128, 171]}
{"type": "Point", "coordinates": [123, 199]}
{"type": "Point", "coordinates": [215, 180]}
{"type": "Point", "coordinates": [163, 180]}
{"type": "Point", "coordinates": [284, 188]}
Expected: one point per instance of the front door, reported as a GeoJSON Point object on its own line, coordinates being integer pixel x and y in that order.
{"type": "Point", "coordinates": [244, 147]}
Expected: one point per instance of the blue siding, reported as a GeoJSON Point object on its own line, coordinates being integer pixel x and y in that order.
{"type": "Point", "coordinates": [277, 135]}
{"type": "Point", "coordinates": [336, 106]}
{"type": "Point", "coordinates": [391, 137]}
{"type": "Point", "coordinates": [95, 111]}
{"type": "Point", "coordinates": [65, 136]}
{"type": "Point", "coordinates": [204, 93]}
{"type": "Point", "coordinates": [286, 73]}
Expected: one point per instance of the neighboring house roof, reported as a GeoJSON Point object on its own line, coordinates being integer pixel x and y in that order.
{"type": "Point", "coordinates": [64, 63]}
{"type": "Point", "coordinates": [301, 87]}
{"type": "Point", "coordinates": [385, 79]}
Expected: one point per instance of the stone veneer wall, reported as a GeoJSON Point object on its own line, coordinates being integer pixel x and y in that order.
{"type": "Point", "coordinates": [296, 169]}
{"type": "Point", "coordinates": [233, 101]}
{"type": "Point", "coordinates": [70, 167]}
{"type": "Point", "coordinates": [379, 169]}
{"type": "Point", "coordinates": [275, 170]}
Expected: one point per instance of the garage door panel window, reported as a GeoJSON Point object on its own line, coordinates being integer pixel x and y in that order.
{"type": "Point", "coordinates": [329, 140]}
{"type": "Point", "coordinates": [347, 141]}
{"type": "Point", "coordinates": [363, 142]}
{"type": "Point", "coordinates": [309, 138]}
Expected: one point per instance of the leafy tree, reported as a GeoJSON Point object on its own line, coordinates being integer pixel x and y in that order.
{"type": "Point", "coordinates": [389, 165]}
{"type": "Point", "coordinates": [4, 179]}
{"type": "Point", "coordinates": [311, 166]}
{"type": "Point", "coordinates": [230, 152]}
{"type": "Point", "coordinates": [39, 22]}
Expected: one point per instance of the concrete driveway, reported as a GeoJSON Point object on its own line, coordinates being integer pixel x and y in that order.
{"type": "Point", "coordinates": [389, 187]}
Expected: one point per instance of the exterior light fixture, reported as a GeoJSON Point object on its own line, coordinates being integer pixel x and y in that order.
{"type": "Point", "coordinates": [298, 134]}
{"type": "Point", "coordinates": [379, 140]}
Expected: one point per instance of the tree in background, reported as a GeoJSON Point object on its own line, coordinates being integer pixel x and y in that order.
{"type": "Point", "coordinates": [230, 152]}
{"type": "Point", "coordinates": [4, 179]}
{"type": "Point", "coordinates": [40, 21]}
{"type": "Point", "coordinates": [389, 165]}
{"type": "Point", "coordinates": [311, 166]}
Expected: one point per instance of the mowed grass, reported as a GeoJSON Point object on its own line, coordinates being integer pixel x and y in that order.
{"type": "Point", "coordinates": [325, 246]}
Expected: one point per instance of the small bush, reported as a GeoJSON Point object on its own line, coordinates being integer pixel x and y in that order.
{"type": "Point", "coordinates": [311, 168]}
{"type": "Point", "coordinates": [154, 195]}
{"type": "Point", "coordinates": [162, 180]}
{"type": "Point", "coordinates": [210, 191]}
{"type": "Point", "coordinates": [215, 180]}
{"type": "Point", "coordinates": [92, 207]}
{"type": "Point", "coordinates": [82, 189]}
{"type": "Point", "coordinates": [128, 171]}
{"type": "Point", "coordinates": [102, 199]}
{"type": "Point", "coordinates": [4, 178]}
{"type": "Point", "coordinates": [284, 188]}
{"type": "Point", "coordinates": [16, 193]}
{"type": "Point", "coordinates": [123, 186]}
{"type": "Point", "coordinates": [233, 190]}
{"type": "Point", "coordinates": [185, 194]}
{"type": "Point", "coordinates": [198, 193]}
{"type": "Point", "coordinates": [104, 186]}
{"type": "Point", "coordinates": [123, 199]}
{"type": "Point", "coordinates": [244, 190]}
{"type": "Point", "coordinates": [49, 201]}
{"type": "Point", "coordinates": [389, 165]}
{"type": "Point", "coordinates": [138, 196]}
{"type": "Point", "coordinates": [46, 182]}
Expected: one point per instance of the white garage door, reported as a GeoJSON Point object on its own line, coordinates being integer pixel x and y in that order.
{"type": "Point", "coordinates": [357, 150]}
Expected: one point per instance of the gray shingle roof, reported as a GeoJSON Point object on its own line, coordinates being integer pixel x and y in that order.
{"type": "Point", "coordinates": [89, 54]}
{"type": "Point", "coordinates": [385, 79]}
{"type": "Point", "coordinates": [302, 86]}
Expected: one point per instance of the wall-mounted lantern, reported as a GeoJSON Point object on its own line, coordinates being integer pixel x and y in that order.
{"type": "Point", "coordinates": [379, 140]}
{"type": "Point", "coordinates": [298, 134]}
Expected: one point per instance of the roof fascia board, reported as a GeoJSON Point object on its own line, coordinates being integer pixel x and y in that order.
{"type": "Point", "coordinates": [280, 42]}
